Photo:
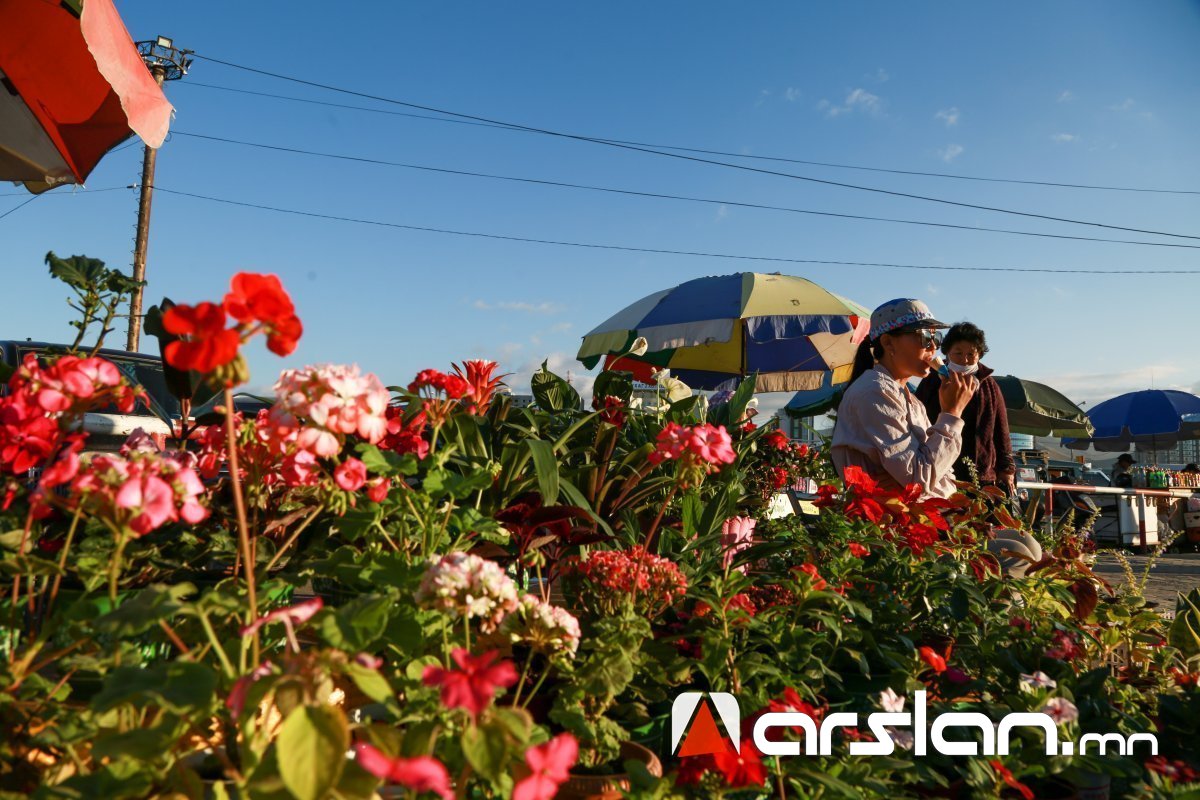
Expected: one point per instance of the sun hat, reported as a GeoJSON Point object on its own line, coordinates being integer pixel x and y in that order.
{"type": "Point", "coordinates": [903, 314]}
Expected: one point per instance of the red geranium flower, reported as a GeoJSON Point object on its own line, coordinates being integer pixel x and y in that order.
{"type": "Point", "coordinates": [741, 769]}
{"type": "Point", "coordinates": [258, 298]}
{"type": "Point", "coordinates": [473, 685]}
{"type": "Point", "coordinates": [1012, 782]}
{"type": "Point", "coordinates": [818, 583]}
{"type": "Point", "coordinates": [421, 774]}
{"type": "Point", "coordinates": [208, 344]}
{"type": "Point", "coordinates": [857, 550]}
{"type": "Point", "coordinates": [935, 661]}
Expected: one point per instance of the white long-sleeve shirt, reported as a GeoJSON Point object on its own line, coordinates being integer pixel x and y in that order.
{"type": "Point", "coordinates": [884, 430]}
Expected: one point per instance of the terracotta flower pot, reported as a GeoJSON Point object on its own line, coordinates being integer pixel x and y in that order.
{"type": "Point", "coordinates": [609, 787]}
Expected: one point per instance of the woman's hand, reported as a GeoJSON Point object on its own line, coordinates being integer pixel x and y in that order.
{"type": "Point", "coordinates": [956, 391]}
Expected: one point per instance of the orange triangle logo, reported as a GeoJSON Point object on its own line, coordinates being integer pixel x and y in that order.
{"type": "Point", "coordinates": [703, 737]}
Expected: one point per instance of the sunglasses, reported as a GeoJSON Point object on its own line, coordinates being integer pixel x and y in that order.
{"type": "Point", "coordinates": [930, 340]}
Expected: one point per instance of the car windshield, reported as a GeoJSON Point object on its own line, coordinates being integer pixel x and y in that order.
{"type": "Point", "coordinates": [146, 373]}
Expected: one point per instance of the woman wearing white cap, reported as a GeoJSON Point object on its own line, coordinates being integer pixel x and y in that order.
{"type": "Point", "coordinates": [881, 426]}
{"type": "Point", "coordinates": [883, 429]}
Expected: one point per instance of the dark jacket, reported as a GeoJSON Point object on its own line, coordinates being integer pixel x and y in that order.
{"type": "Point", "coordinates": [985, 426]}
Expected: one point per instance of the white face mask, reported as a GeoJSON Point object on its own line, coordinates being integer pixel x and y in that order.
{"type": "Point", "coordinates": [963, 369]}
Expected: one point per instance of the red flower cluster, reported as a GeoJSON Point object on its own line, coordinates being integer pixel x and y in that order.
{"type": "Point", "coordinates": [40, 397]}
{"type": "Point", "coordinates": [257, 303]}
{"type": "Point", "coordinates": [473, 685]}
{"type": "Point", "coordinates": [439, 394]}
{"type": "Point", "coordinates": [1177, 771]}
{"type": "Point", "coordinates": [737, 769]}
{"type": "Point", "coordinates": [432, 381]}
{"type": "Point", "coordinates": [699, 450]}
{"type": "Point", "coordinates": [916, 523]}
{"type": "Point", "coordinates": [1065, 648]}
{"type": "Point", "coordinates": [406, 432]}
{"type": "Point", "coordinates": [612, 410]}
{"type": "Point", "coordinates": [614, 579]}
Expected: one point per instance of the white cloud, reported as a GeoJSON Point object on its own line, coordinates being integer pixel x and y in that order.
{"type": "Point", "coordinates": [561, 327]}
{"type": "Point", "coordinates": [948, 115]}
{"type": "Point", "coordinates": [1063, 138]}
{"type": "Point", "coordinates": [1065, 96]}
{"type": "Point", "coordinates": [950, 152]}
{"type": "Point", "coordinates": [879, 76]}
{"type": "Point", "coordinates": [791, 94]}
{"type": "Point", "coordinates": [763, 94]}
{"type": "Point", "coordinates": [722, 212]}
{"type": "Point", "coordinates": [1125, 105]}
{"type": "Point", "coordinates": [857, 100]}
{"type": "Point", "coordinates": [1093, 388]}
{"type": "Point", "coordinates": [931, 289]}
{"type": "Point", "coordinates": [528, 308]}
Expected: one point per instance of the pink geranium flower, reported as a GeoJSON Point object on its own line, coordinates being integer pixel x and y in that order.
{"type": "Point", "coordinates": [421, 774]}
{"type": "Point", "coordinates": [290, 617]}
{"type": "Point", "coordinates": [350, 475]}
{"type": "Point", "coordinates": [549, 765]}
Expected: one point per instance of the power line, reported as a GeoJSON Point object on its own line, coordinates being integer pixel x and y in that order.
{"type": "Point", "coordinates": [724, 153]}
{"type": "Point", "coordinates": [19, 206]}
{"type": "Point", "coordinates": [78, 193]}
{"type": "Point", "coordinates": [696, 159]}
{"type": "Point", "coordinates": [665, 251]}
{"type": "Point", "coordinates": [664, 196]}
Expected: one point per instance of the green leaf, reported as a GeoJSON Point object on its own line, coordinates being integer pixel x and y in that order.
{"type": "Point", "coordinates": [12, 539]}
{"type": "Point", "coordinates": [385, 462]}
{"type": "Point", "coordinates": [358, 625]}
{"type": "Point", "coordinates": [741, 399]}
{"type": "Point", "coordinates": [551, 392]}
{"type": "Point", "coordinates": [611, 383]}
{"type": "Point", "coordinates": [179, 686]}
{"type": "Point", "coordinates": [145, 609]}
{"type": "Point", "coordinates": [546, 466]}
{"type": "Point", "coordinates": [486, 749]}
{"type": "Point", "coordinates": [311, 750]}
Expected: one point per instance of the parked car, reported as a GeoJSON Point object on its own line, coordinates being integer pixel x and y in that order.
{"type": "Point", "coordinates": [108, 428]}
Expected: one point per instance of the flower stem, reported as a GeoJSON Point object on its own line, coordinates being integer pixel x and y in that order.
{"type": "Point", "coordinates": [216, 643]}
{"type": "Point", "coordinates": [658, 519]}
{"type": "Point", "coordinates": [292, 539]}
{"type": "Point", "coordinates": [62, 560]}
{"type": "Point", "coordinates": [114, 568]}
{"type": "Point", "coordinates": [239, 505]}
{"type": "Point", "coordinates": [524, 675]}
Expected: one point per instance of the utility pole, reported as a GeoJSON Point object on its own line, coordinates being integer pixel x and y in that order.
{"type": "Point", "coordinates": [166, 63]}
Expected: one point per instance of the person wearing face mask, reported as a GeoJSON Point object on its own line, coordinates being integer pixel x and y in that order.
{"type": "Point", "coordinates": [881, 427]}
{"type": "Point", "coordinates": [885, 430]}
{"type": "Point", "coordinates": [985, 434]}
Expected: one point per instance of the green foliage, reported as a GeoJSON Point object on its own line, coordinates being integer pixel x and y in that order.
{"type": "Point", "coordinates": [99, 293]}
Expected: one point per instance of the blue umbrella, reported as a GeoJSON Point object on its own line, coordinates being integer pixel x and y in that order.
{"type": "Point", "coordinates": [1154, 418]}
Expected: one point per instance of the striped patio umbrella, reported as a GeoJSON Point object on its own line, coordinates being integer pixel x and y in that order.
{"type": "Point", "coordinates": [794, 334]}
{"type": "Point", "coordinates": [72, 87]}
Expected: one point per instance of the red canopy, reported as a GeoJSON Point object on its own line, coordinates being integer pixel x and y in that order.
{"type": "Point", "coordinates": [72, 87]}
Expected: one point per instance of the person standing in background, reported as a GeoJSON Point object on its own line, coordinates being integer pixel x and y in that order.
{"type": "Point", "coordinates": [985, 435]}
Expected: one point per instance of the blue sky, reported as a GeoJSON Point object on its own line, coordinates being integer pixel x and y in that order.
{"type": "Point", "coordinates": [1085, 92]}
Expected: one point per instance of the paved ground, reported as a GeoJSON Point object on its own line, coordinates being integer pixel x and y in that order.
{"type": "Point", "coordinates": [1170, 574]}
